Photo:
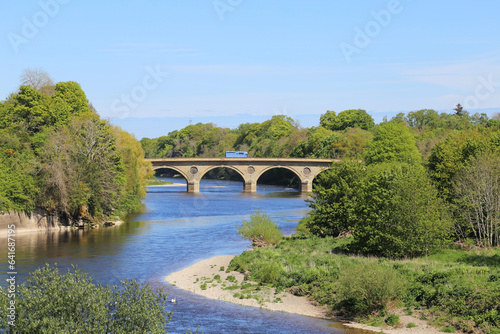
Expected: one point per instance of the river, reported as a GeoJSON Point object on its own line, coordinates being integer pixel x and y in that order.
{"type": "Point", "coordinates": [177, 230]}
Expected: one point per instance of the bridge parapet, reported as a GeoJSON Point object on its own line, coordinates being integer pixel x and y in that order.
{"type": "Point", "coordinates": [250, 169]}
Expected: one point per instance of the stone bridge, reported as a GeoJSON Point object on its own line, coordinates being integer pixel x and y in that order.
{"type": "Point", "coordinates": [250, 169]}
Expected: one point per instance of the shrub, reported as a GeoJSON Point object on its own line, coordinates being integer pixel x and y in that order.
{"type": "Point", "coordinates": [49, 302]}
{"type": "Point", "coordinates": [269, 272]}
{"type": "Point", "coordinates": [392, 320]}
{"type": "Point", "coordinates": [411, 325]}
{"type": "Point", "coordinates": [366, 288]}
{"type": "Point", "coordinates": [260, 229]}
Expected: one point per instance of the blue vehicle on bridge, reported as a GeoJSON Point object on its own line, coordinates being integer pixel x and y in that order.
{"type": "Point", "coordinates": [236, 154]}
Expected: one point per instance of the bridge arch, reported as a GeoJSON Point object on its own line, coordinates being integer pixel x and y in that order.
{"type": "Point", "coordinates": [269, 168]}
{"type": "Point", "coordinates": [233, 168]}
{"type": "Point", "coordinates": [178, 170]}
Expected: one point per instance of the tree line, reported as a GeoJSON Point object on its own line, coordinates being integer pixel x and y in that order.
{"type": "Point", "coordinates": [57, 154]}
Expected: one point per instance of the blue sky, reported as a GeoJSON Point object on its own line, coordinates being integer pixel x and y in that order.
{"type": "Point", "coordinates": [154, 66]}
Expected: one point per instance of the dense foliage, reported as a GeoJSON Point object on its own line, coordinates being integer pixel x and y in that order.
{"type": "Point", "coordinates": [57, 154]}
{"type": "Point", "coordinates": [391, 209]}
{"type": "Point", "coordinates": [71, 303]}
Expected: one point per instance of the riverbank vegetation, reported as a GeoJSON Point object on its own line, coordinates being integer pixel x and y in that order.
{"type": "Point", "coordinates": [57, 154]}
{"type": "Point", "coordinates": [49, 302]}
{"type": "Point", "coordinates": [452, 287]}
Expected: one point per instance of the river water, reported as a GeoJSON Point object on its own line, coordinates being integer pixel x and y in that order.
{"type": "Point", "coordinates": [178, 229]}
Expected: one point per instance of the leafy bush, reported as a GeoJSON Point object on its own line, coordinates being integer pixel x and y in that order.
{"type": "Point", "coordinates": [269, 273]}
{"type": "Point", "coordinates": [71, 303]}
{"type": "Point", "coordinates": [366, 288]}
{"type": "Point", "coordinates": [260, 229]}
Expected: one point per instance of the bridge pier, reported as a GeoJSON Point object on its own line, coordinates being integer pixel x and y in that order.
{"type": "Point", "coordinates": [250, 187]}
{"type": "Point", "coordinates": [193, 186]}
{"type": "Point", "coordinates": [306, 186]}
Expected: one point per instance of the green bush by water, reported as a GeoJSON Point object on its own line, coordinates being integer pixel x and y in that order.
{"type": "Point", "coordinates": [260, 229]}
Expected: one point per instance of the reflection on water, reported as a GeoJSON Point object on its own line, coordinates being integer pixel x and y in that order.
{"type": "Point", "coordinates": [177, 230]}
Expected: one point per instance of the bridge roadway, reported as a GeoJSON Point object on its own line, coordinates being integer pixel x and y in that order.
{"type": "Point", "coordinates": [250, 169]}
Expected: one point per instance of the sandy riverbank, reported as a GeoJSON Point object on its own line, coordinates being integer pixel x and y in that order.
{"type": "Point", "coordinates": [192, 278]}
{"type": "Point", "coordinates": [168, 185]}
{"type": "Point", "coordinates": [209, 279]}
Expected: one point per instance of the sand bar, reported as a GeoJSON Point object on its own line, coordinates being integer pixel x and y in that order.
{"type": "Point", "coordinates": [167, 185]}
{"type": "Point", "coordinates": [192, 279]}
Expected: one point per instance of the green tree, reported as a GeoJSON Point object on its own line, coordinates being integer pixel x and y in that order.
{"type": "Point", "coordinates": [451, 155]}
{"type": "Point", "coordinates": [334, 202]}
{"type": "Point", "coordinates": [392, 142]}
{"type": "Point", "coordinates": [135, 170]}
{"type": "Point", "coordinates": [400, 213]}
{"type": "Point", "coordinates": [423, 118]}
{"type": "Point", "coordinates": [149, 147]}
{"type": "Point", "coordinates": [31, 109]}
{"type": "Point", "coordinates": [73, 95]}
{"type": "Point", "coordinates": [306, 148]}
{"type": "Point", "coordinates": [19, 188]}
{"type": "Point", "coordinates": [71, 303]}
{"type": "Point", "coordinates": [339, 145]}
{"type": "Point", "coordinates": [347, 119]}
{"type": "Point", "coordinates": [82, 168]}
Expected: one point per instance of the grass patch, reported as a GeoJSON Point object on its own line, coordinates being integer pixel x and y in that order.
{"type": "Point", "coordinates": [231, 279]}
